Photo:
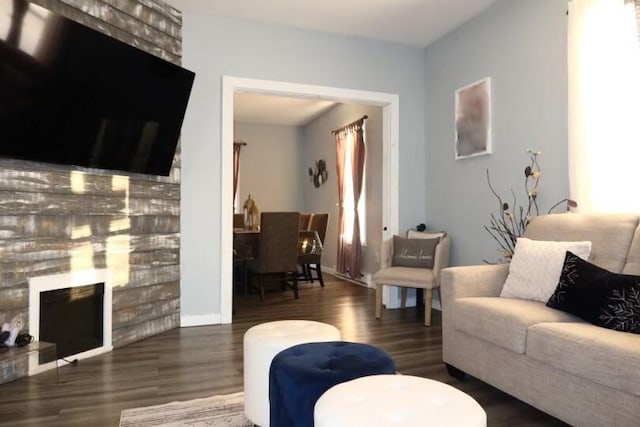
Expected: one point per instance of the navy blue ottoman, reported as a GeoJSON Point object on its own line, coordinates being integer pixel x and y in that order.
{"type": "Point", "coordinates": [300, 374]}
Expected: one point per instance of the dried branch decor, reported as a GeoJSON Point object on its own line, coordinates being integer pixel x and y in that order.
{"type": "Point", "coordinates": [511, 221]}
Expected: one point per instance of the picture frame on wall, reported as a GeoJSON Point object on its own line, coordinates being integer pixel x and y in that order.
{"type": "Point", "coordinates": [473, 119]}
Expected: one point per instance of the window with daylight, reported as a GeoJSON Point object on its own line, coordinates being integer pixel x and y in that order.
{"type": "Point", "coordinates": [349, 199]}
{"type": "Point", "coordinates": [604, 88]}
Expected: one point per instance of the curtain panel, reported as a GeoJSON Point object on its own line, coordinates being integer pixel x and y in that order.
{"type": "Point", "coordinates": [237, 146]}
{"type": "Point", "coordinates": [350, 159]}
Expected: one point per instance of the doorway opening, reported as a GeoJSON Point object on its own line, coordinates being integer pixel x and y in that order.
{"type": "Point", "coordinates": [390, 141]}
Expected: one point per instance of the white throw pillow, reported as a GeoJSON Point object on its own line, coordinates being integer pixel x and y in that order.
{"type": "Point", "coordinates": [536, 266]}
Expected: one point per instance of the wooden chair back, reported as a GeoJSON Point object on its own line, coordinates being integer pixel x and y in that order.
{"type": "Point", "coordinates": [305, 221]}
{"type": "Point", "coordinates": [238, 220]}
{"type": "Point", "coordinates": [319, 223]}
{"type": "Point", "coordinates": [278, 242]}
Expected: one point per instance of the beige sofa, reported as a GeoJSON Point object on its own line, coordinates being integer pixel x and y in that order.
{"type": "Point", "coordinates": [582, 374]}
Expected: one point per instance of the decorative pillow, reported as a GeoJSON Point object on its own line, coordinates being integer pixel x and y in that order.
{"type": "Point", "coordinates": [413, 252]}
{"type": "Point", "coordinates": [598, 296]}
{"type": "Point", "coordinates": [536, 265]}
{"type": "Point", "coordinates": [413, 234]}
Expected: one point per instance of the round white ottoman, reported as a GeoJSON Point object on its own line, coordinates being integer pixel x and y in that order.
{"type": "Point", "coordinates": [261, 343]}
{"type": "Point", "coordinates": [396, 400]}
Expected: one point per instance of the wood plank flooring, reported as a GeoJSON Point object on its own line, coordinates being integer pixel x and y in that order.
{"type": "Point", "coordinates": [189, 363]}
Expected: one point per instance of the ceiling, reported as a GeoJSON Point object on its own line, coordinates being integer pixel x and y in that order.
{"type": "Point", "coordinates": [277, 110]}
{"type": "Point", "coordinates": [411, 22]}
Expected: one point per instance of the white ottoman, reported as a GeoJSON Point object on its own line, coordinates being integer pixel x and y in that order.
{"type": "Point", "coordinates": [396, 400]}
{"type": "Point", "coordinates": [261, 343]}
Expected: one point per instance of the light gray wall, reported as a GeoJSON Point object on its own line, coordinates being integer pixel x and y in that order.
{"type": "Point", "coordinates": [213, 47]}
{"type": "Point", "coordinates": [521, 45]}
{"type": "Point", "coordinates": [270, 166]}
{"type": "Point", "coordinates": [320, 144]}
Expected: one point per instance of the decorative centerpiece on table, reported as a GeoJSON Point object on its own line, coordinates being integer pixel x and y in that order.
{"type": "Point", "coordinates": [251, 214]}
{"type": "Point", "coordinates": [511, 220]}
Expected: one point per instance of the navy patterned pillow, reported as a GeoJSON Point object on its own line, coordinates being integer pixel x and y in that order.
{"type": "Point", "coordinates": [597, 295]}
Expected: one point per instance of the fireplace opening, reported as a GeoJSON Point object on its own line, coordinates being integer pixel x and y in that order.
{"type": "Point", "coordinates": [72, 318]}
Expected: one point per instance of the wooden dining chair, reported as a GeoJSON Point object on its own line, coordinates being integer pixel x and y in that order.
{"type": "Point", "coordinates": [305, 221]}
{"type": "Point", "coordinates": [238, 220]}
{"type": "Point", "coordinates": [277, 252]}
{"type": "Point", "coordinates": [312, 262]}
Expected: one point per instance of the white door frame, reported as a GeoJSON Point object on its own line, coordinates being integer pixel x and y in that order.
{"type": "Point", "coordinates": [390, 148]}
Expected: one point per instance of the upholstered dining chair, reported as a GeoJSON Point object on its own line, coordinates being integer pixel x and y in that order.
{"type": "Point", "coordinates": [394, 271]}
{"type": "Point", "coordinates": [277, 252]}
{"type": "Point", "coordinates": [305, 221]}
{"type": "Point", "coordinates": [312, 261]}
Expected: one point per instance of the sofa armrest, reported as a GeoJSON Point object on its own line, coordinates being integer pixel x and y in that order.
{"type": "Point", "coordinates": [472, 281]}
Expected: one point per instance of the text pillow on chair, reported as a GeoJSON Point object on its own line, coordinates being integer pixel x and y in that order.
{"type": "Point", "coordinates": [417, 253]}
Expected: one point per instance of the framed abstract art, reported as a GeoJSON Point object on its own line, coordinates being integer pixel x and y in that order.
{"type": "Point", "coordinates": [473, 119]}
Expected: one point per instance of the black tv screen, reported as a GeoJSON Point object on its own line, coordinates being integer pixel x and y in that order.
{"type": "Point", "coordinates": [72, 95]}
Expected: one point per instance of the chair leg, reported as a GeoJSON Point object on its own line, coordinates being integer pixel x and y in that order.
{"type": "Point", "coordinates": [378, 300]}
{"type": "Point", "coordinates": [245, 277]}
{"type": "Point", "coordinates": [403, 297]}
{"type": "Point", "coordinates": [295, 287]}
{"type": "Point", "coordinates": [428, 300]}
{"type": "Point", "coordinates": [319, 271]}
{"type": "Point", "coordinates": [261, 281]}
{"type": "Point", "coordinates": [308, 274]}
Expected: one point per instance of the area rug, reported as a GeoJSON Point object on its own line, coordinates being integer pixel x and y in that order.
{"type": "Point", "coordinates": [217, 411]}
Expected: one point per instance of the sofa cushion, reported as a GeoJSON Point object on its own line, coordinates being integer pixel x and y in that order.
{"type": "Point", "coordinates": [503, 321]}
{"type": "Point", "coordinates": [598, 296]}
{"type": "Point", "coordinates": [536, 265]}
{"type": "Point", "coordinates": [610, 235]}
{"type": "Point", "coordinates": [632, 264]}
{"type": "Point", "coordinates": [406, 276]}
{"type": "Point", "coordinates": [607, 357]}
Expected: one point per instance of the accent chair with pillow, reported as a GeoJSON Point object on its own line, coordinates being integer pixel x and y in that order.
{"type": "Point", "coordinates": [558, 327]}
{"type": "Point", "coordinates": [412, 261]}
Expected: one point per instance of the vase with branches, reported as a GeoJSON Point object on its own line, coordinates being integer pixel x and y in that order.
{"type": "Point", "coordinates": [511, 220]}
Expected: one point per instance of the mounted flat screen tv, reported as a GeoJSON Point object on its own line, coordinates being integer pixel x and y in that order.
{"type": "Point", "coordinates": [72, 95]}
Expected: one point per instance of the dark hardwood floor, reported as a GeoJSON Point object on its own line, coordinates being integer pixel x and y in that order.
{"type": "Point", "coordinates": [196, 362]}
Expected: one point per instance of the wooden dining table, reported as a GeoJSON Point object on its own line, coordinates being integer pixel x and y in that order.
{"type": "Point", "coordinates": [245, 243]}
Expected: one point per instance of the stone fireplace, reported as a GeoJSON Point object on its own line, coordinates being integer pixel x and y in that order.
{"type": "Point", "coordinates": [60, 219]}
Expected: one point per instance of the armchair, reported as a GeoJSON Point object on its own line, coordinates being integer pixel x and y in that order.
{"type": "Point", "coordinates": [412, 277]}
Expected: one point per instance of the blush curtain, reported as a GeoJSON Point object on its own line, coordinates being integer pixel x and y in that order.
{"type": "Point", "coordinates": [604, 89]}
{"type": "Point", "coordinates": [237, 146]}
{"type": "Point", "coordinates": [350, 147]}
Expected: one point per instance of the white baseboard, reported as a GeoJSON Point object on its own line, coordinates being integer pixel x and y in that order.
{"type": "Point", "coordinates": [390, 294]}
{"type": "Point", "coordinates": [365, 282]}
{"type": "Point", "coordinates": [200, 320]}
